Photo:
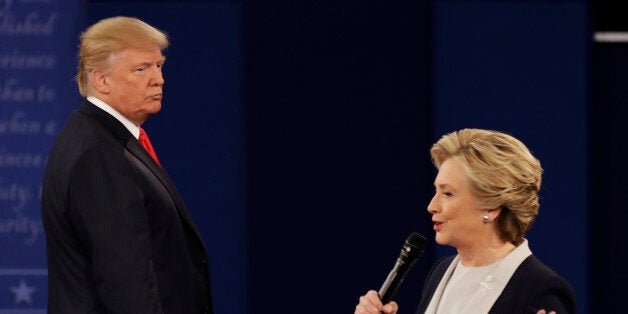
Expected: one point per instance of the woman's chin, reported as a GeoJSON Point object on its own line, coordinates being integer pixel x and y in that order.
{"type": "Point", "coordinates": [440, 239]}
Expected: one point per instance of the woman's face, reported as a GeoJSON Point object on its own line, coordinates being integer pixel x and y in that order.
{"type": "Point", "coordinates": [456, 211]}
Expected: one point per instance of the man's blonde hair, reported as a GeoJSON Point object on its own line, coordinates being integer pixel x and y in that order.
{"type": "Point", "coordinates": [502, 172]}
{"type": "Point", "coordinates": [101, 41]}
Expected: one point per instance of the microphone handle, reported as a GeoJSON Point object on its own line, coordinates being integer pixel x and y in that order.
{"type": "Point", "coordinates": [393, 281]}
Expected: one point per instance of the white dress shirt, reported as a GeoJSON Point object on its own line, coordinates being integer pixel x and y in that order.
{"type": "Point", "coordinates": [134, 129]}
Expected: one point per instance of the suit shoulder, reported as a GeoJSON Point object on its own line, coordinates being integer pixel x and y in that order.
{"type": "Point", "coordinates": [546, 278]}
{"type": "Point", "coordinates": [532, 266]}
{"type": "Point", "coordinates": [81, 138]}
{"type": "Point", "coordinates": [80, 133]}
{"type": "Point", "coordinates": [542, 287]}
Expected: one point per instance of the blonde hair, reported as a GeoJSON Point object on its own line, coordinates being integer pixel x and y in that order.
{"type": "Point", "coordinates": [101, 41]}
{"type": "Point", "coordinates": [502, 172]}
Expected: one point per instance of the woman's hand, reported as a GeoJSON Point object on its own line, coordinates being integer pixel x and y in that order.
{"type": "Point", "coordinates": [371, 304]}
{"type": "Point", "coordinates": [543, 312]}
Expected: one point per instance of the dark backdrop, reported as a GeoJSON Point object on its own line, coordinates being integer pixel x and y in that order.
{"type": "Point", "coordinates": [298, 132]}
{"type": "Point", "coordinates": [608, 154]}
{"type": "Point", "coordinates": [338, 132]}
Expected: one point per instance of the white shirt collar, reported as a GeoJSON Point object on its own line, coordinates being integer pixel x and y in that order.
{"type": "Point", "coordinates": [134, 129]}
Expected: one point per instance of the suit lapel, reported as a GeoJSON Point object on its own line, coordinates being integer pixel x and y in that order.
{"type": "Point", "coordinates": [136, 149]}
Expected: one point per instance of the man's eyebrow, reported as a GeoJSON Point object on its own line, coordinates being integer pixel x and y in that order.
{"type": "Point", "coordinates": [149, 63]}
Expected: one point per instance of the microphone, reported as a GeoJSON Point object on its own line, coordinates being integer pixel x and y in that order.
{"type": "Point", "coordinates": [410, 253]}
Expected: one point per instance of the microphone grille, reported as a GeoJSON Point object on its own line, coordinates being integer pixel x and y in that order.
{"type": "Point", "coordinates": [415, 244]}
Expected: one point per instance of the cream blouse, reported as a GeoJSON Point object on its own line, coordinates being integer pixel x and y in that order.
{"type": "Point", "coordinates": [475, 289]}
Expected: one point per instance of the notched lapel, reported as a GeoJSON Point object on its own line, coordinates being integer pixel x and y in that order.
{"type": "Point", "coordinates": [135, 148]}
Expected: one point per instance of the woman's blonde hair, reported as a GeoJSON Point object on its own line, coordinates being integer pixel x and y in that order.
{"type": "Point", "coordinates": [101, 41]}
{"type": "Point", "coordinates": [502, 172]}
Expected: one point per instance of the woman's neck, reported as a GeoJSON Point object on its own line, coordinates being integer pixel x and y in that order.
{"type": "Point", "coordinates": [485, 254]}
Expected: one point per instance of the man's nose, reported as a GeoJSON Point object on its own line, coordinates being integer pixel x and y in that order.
{"type": "Point", "coordinates": [157, 78]}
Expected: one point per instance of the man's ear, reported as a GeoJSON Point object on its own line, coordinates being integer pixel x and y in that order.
{"type": "Point", "coordinates": [101, 84]}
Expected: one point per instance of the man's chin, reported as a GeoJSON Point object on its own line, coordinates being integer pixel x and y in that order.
{"type": "Point", "coordinates": [154, 108]}
{"type": "Point", "coordinates": [147, 112]}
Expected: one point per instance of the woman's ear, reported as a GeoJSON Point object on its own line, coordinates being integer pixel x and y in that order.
{"type": "Point", "coordinates": [493, 213]}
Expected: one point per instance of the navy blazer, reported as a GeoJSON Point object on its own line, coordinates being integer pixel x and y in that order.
{"type": "Point", "coordinates": [532, 287]}
{"type": "Point", "coordinates": [119, 237]}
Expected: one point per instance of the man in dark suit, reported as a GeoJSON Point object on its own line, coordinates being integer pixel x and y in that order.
{"type": "Point", "coordinates": [119, 237]}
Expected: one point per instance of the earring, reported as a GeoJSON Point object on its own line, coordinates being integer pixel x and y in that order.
{"type": "Point", "coordinates": [486, 218]}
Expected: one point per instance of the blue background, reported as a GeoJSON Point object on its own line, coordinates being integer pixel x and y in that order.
{"type": "Point", "coordinates": [35, 100]}
{"type": "Point", "coordinates": [306, 128]}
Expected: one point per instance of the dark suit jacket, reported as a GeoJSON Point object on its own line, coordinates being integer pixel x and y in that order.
{"type": "Point", "coordinates": [532, 287]}
{"type": "Point", "coordinates": [119, 237]}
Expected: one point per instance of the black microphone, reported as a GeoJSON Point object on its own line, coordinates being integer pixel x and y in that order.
{"type": "Point", "coordinates": [410, 253]}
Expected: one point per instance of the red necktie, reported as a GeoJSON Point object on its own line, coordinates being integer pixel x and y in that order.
{"type": "Point", "coordinates": [149, 148]}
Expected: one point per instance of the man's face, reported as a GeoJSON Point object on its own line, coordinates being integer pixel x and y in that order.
{"type": "Point", "coordinates": [135, 83]}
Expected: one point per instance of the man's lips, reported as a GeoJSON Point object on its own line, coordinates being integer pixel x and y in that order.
{"type": "Point", "coordinates": [437, 225]}
{"type": "Point", "coordinates": [155, 97]}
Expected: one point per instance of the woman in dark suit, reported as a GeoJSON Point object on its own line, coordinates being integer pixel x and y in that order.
{"type": "Point", "coordinates": [486, 199]}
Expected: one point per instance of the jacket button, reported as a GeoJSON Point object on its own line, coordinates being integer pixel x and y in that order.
{"type": "Point", "coordinates": [202, 267]}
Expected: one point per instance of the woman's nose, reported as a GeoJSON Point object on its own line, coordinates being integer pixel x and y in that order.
{"type": "Point", "coordinates": [432, 207]}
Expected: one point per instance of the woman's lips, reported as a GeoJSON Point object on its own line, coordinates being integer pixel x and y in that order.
{"type": "Point", "coordinates": [437, 225]}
